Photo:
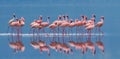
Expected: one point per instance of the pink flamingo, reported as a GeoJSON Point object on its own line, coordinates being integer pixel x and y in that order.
{"type": "Point", "coordinates": [40, 19]}
{"type": "Point", "coordinates": [58, 22]}
{"type": "Point", "coordinates": [89, 44]}
{"type": "Point", "coordinates": [84, 21]}
{"type": "Point", "coordinates": [78, 24]}
{"type": "Point", "coordinates": [52, 27]}
{"type": "Point", "coordinates": [90, 24]}
{"type": "Point", "coordinates": [64, 24]}
{"type": "Point", "coordinates": [17, 24]}
{"type": "Point", "coordinates": [34, 25]}
{"type": "Point", "coordinates": [45, 24]}
{"type": "Point", "coordinates": [100, 23]}
{"type": "Point", "coordinates": [71, 25]}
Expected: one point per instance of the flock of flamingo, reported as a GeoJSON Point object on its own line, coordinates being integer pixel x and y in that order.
{"type": "Point", "coordinates": [63, 25]}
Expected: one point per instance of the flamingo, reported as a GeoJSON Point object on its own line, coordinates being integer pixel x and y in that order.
{"type": "Point", "coordinates": [71, 25]}
{"type": "Point", "coordinates": [58, 22]}
{"type": "Point", "coordinates": [40, 19]}
{"type": "Point", "coordinates": [35, 24]}
{"type": "Point", "coordinates": [100, 23]}
{"type": "Point", "coordinates": [44, 24]}
{"type": "Point", "coordinates": [17, 25]}
{"type": "Point", "coordinates": [89, 44]}
{"type": "Point", "coordinates": [90, 24]}
{"type": "Point", "coordinates": [13, 23]}
{"type": "Point", "coordinates": [79, 23]}
{"type": "Point", "coordinates": [52, 27]}
{"type": "Point", "coordinates": [22, 22]}
{"type": "Point", "coordinates": [64, 24]}
{"type": "Point", "coordinates": [84, 21]}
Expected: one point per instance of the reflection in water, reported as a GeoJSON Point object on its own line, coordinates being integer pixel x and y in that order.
{"type": "Point", "coordinates": [62, 40]}
{"type": "Point", "coordinates": [68, 46]}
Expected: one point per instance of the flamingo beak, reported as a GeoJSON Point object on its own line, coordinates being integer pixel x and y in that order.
{"type": "Point", "coordinates": [59, 17]}
{"type": "Point", "coordinates": [48, 17]}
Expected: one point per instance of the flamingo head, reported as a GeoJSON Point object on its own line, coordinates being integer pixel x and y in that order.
{"type": "Point", "coordinates": [81, 16]}
{"type": "Point", "coordinates": [63, 16]}
{"type": "Point", "coordinates": [40, 17]}
{"type": "Point", "coordinates": [14, 15]}
{"type": "Point", "coordinates": [48, 17]}
{"type": "Point", "coordinates": [93, 19]}
{"type": "Point", "coordinates": [85, 17]}
{"type": "Point", "coordinates": [102, 17]}
{"type": "Point", "coordinates": [17, 19]}
{"type": "Point", "coordinates": [59, 17]}
{"type": "Point", "coordinates": [93, 15]}
{"type": "Point", "coordinates": [22, 18]}
{"type": "Point", "coordinates": [67, 16]}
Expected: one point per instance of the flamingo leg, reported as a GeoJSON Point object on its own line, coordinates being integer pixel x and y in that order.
{"type": "Point", "coordinates": [63, 34]}
{"type": "Point", "coordinates": [48, 52]}
{"type": "Point", "coordinates": [58, 33]}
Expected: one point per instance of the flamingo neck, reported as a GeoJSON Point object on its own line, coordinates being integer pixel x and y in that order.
{"type": "Point", "coordinates": [48, 20]}
{"type": "Point", "coordinates": [102, 20]}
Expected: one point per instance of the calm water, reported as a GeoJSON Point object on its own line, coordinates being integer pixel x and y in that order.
{"type": "Point", "coordinates": [108, 8]}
